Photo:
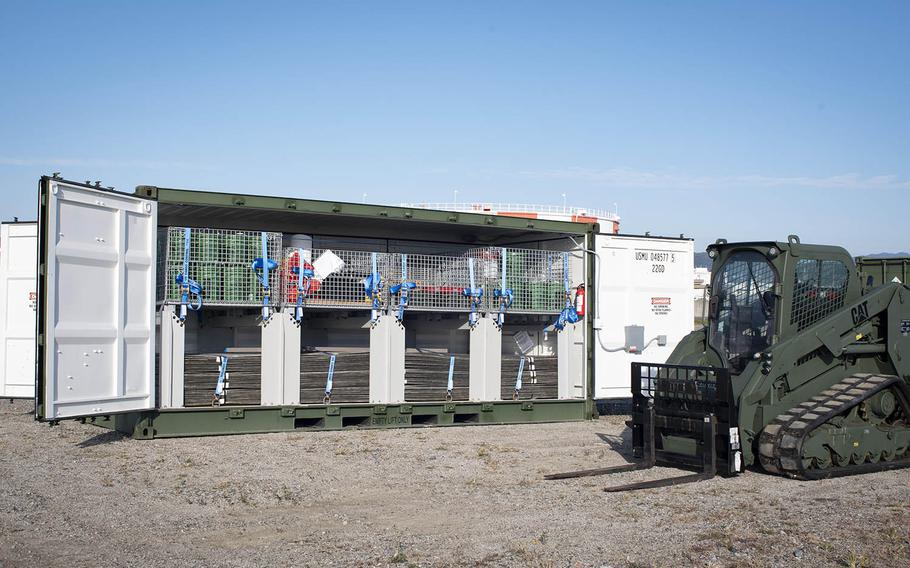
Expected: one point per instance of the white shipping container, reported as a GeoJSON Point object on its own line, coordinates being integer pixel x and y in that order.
{"type": "Point", "coordinates": [18, 264]}
{"type": "Point", "coordinates": [645, 281]}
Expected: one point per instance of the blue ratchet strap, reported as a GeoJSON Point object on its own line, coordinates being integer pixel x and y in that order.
{"type": "Point", "coordinates": [261, 267]}
{"type": "Point", "coordinates": [474, 293]}
{"type": "Point", "coordinates": [328, 381]}
{"type": "Point", "coordinates": [222, 377]}
{"type": "Point", "coordinates": [372, 286]}
{"type": "Point", "coordinates": [521, 370]}
{"type": "Point", "coordinates": [303, 284]}
{"type": "Point", "coordinates": [568, 314]}
{"type": "Point", "coordinates": [451, 384]}
{"type": "Point", "coordinates": [187, 285]}
{"type": "Point", "coordinates": [503, 294]}
{"type": "Point", "coordinates": [404, 288]}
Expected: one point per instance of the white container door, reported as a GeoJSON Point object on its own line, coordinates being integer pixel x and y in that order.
{"type": "Point", "coordinates": [97, 301]}
{"type": "Point", "coordinates": [644, 281]}
{"type": "Point", "coordinates": [18, 298]}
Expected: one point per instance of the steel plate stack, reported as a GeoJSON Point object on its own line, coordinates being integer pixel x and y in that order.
{"type": "Point", "coordinates": [542, 383]}
{"type": "Point", "coordinates": [426, 376]}
{"type": "Point", "coordinates": [350, 381]}
{"type": "Point", "coordinates": [242, 385]}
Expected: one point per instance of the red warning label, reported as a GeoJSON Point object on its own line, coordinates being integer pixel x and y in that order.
{"type": "Point", "coordinates": [660, 306]}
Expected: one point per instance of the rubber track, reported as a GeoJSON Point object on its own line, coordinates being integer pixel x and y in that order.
{"type": "Point", "coordinates": [780, 444]}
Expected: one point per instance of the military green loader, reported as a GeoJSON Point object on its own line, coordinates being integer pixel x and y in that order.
{"type": "Point", "coordinates": [803, 370]}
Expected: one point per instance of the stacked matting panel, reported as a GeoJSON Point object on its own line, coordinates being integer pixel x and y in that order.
{"type": "Point", "coordinates": [427, 375]}
{"type": "Point", "coordinates": [539, 379]}
{"type": "Point", "coordinates": [350, 380]}
{"type": "Point", "coordinates": [242, 380]}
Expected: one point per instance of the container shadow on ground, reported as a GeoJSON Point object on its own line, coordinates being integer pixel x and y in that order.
{"type": "Point", "coordinates": [106, 437]}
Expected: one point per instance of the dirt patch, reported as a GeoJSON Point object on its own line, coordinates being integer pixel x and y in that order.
{"type": "Point", "coordinates": [468, 496]}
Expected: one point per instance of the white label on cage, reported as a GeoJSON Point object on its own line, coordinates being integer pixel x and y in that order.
{"type": "Point", "coordinates": [327, 264]}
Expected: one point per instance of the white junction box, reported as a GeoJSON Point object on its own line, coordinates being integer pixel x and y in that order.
{"type": "Point", "coordinates": [641, 281]}
{"type": "Point", "coordinates": [18, 293]}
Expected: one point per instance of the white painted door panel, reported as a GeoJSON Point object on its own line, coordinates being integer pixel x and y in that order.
{"type": "Point", "coordinates": [18, 263]}
{"type": "Point", "coordinates": [100, 289]}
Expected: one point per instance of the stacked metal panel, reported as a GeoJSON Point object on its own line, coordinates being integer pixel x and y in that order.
{"type": "Point", "coordinates": [242, 380]}
{"type": "Point", "coordinates": [540, 377]}
{"type": "Point", "coordinates": [227, 264]}
{"type": "Point", "coordinates": [426, 376]}
{"type": "Point", "coordinates": [350, 378]}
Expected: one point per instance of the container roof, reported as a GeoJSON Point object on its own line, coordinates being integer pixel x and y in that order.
{"type": "Point", "coordinates": [255, 212]}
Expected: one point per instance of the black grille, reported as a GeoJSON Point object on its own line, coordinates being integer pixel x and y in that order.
{"type": "Point", "coordinates": [820, 288]}
{"type": "Point", "coordinates": [744, 292]}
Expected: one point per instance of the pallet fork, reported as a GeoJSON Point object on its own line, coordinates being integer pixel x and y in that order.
{"type": "Point", "coordinates": [651, 394]}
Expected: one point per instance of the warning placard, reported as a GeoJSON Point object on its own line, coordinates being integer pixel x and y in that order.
{"type": "Point", "coordinates": [660, 306]}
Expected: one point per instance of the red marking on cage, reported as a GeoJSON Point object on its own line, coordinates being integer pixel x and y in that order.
{"type": "Point", "coordinates": [660, 301]}
{"type": "Point", "coordinates": [291, 262]}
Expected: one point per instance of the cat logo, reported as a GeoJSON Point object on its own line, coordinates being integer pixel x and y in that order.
{"type": "Point", "coordinates": [860, 313]}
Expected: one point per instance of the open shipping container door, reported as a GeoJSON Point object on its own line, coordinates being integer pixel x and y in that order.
{"type": "Point", "coordinates": [18, 298]}
{"type": "Point", "coordinates": [96, 293]}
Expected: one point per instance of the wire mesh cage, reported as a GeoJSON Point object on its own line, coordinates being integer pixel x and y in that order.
{"type": "Point", "coordinates": [343, 288]}
{"type": "Point", "coordinates": [535, 277]}
{"type": "Point", "coordinates": [440, 281]}
{"type": "Point", "coordinates": [227, 264]}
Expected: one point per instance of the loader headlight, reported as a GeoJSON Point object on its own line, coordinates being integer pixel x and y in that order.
{"type": "Point", "coordinates": [773, 252]}
{"type": "Point", "coordinates": [712, 253]}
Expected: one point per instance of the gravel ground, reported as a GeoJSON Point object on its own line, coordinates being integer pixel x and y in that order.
{"type": "Point", "coordinates": [469, 496]}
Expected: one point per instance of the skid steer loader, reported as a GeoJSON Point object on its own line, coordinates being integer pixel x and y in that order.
{"type": "Point", "coordinates": [803, 369]}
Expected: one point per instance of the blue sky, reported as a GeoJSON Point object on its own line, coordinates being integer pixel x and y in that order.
{"type": "Point", "coordinates": [735, 120]}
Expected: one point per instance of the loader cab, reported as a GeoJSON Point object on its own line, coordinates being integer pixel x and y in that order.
{"type": "Point", "coordinates": [765, 292]}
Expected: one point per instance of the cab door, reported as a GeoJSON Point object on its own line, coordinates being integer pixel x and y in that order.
{"type": "Point", "coordinates": [96, 301]}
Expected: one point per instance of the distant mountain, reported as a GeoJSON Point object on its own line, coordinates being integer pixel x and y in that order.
{"type": "Point", "coordinates": [702, 260]}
